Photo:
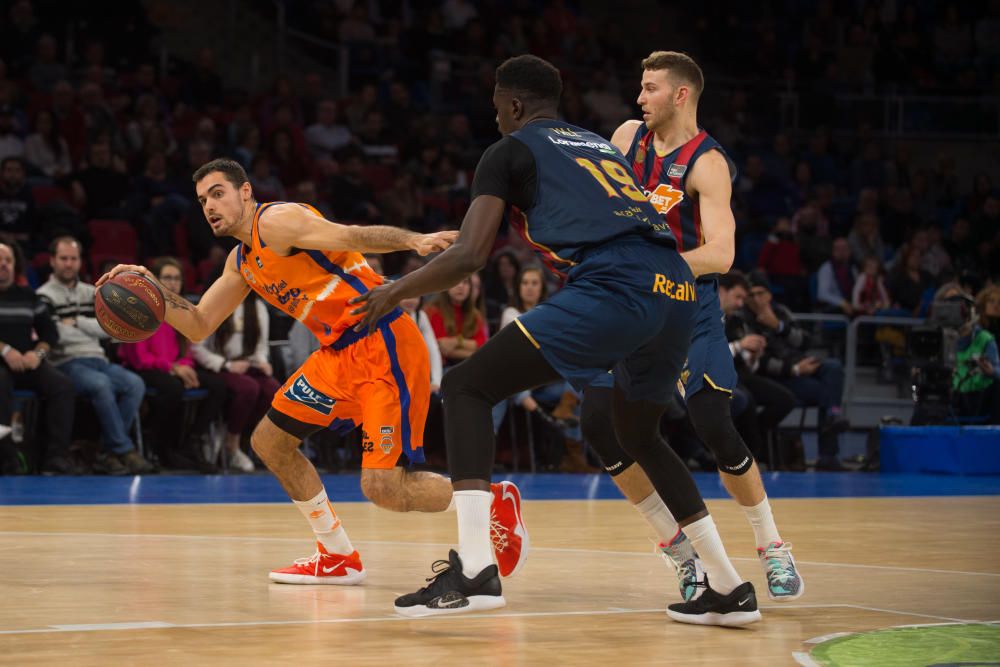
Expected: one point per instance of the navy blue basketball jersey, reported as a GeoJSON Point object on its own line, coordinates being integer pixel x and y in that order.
{"type": "Point", "coordinates": [586, 195]}
{"type": "Point", "coordinates": [665, 181]}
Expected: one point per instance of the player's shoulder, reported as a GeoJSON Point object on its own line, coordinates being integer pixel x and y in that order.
{"type": "Point", "coordinates": [623, 137]}
{"type": "Point", "coordinates": [710, 166]}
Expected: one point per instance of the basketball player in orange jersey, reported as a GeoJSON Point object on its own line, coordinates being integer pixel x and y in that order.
{"type": "Point", "coordinates": [688, 178]}
{"type": "Point", "coordinates": [309, 267]}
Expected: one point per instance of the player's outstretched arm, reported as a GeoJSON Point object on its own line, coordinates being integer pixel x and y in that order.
{"type": "Point", "coordinates": [710, 178]}
{"type": "Point", "coordinates": [216, 304]}
{"type": "Point", "coordinates": [287, 226]}
{"type": "Point", "coordinates": [469, 254]}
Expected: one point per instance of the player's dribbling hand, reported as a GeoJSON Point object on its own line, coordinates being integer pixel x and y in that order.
{"type": "Point", "coordinates": [375, 304]}
{"type": "Point", "coordinates": [125, 268]}
{"type": "Point", "coordinates": [436, 242]}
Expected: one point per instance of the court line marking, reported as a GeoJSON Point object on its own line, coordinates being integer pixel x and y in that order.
{"type": "Point", "coordinates": [244, 538]}
{"type": "Point", "coordinates": [612, 611]}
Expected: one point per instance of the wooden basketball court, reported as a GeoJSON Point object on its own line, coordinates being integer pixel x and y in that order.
{"type": "Point", "coordinates": [187, 584]}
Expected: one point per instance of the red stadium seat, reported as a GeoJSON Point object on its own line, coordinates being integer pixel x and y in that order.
{"type": "Point", "coordinates": [44, 194]}
{"type": "Point", "coordinates": [112, 240]}
{"type": "Point", "coordinates": [379, 176]}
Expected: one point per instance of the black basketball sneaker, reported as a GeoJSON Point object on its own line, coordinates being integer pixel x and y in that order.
{"type": "Point", "coordinates": [710, 608]}
{"type": "Point", "coordinates": [451, 592]}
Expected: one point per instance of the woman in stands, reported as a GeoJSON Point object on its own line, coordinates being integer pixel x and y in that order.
{"type": "Point", "coordinates": [238, 353]}
{"type": "Point", "coordinates": [165, 364]}
{"type": "Point", "coordinates": [459, 326]}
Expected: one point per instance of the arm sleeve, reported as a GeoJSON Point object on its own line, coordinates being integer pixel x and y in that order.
{"type": "Point", "coordinates": [859, 286]}
{"type": "Point", "coordinates": [432, 347]}
{"type": "Point", "coordinates": [437, 324]}
{"type": "Point", "coordinates": [45, 327]}
{"type": "Point", "coordinates": [507, 170]}
{"type": "Point", "coordinates": [89, 326]}
{"type": "Point", "coordinates": [262, 352]}
{"type": "Point", "coordinates": [205, 357]}
{"type": "Point", "coordinates": [826, 287]}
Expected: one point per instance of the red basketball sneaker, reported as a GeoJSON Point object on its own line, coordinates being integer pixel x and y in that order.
{"type": "Point", "coordinates": [322, 568]}
{"type": "Point", "coordinates": [507, 531]}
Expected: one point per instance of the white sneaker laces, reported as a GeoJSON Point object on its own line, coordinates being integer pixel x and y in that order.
{"type": "Point", "coordinates": [498, 533]}
{"type": "Point", "coordinates": [779, 562]}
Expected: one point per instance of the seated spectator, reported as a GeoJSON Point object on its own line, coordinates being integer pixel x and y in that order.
{"type": "Point", "coordinates": [414, 310]}
{"type": "Point", "coordinates": [780, 259]}
{"type": "Point", "coordinates": [501, 284]}
{"type": "Point", "coordinates": [402, 203]}
{"type": "Point", "coordinates": [458, 325]}
{"type": "Point", "coordinates": [265, 184]}
{"type": "Point", "coordinates": [101, 187]}
{"type": "Point", "coordinates": [27, 335]}
{"type": "Point", "coordinates": [835, 280]}
{"type": "Point", "coordinates": [17, 207]}
{"type": "Point", "coordinates": [46, 149]}
{"type": "Point", "coordinates": [865, 239]}
{"type": "Point", "coordinates": [115, 392]}
{"type": "Point", "coordinates": [11, 144]}
{"type": "Point", "coordinates": [327, 136]}
{"type": "Point", "coordinates": [869, 294]}
{"type": "Point", "coordinates": [238, 351]}
{"type": "Point", "coordinates": [562, 401]}
{"type": "Point", "coordinates": [814, 381]}
{"type": "Point", "coordinates": [907, 283]}
{"type": "Point", "coordinates": [350, 196]}
{"type": "Point", "coordinates": [774, 399]}
{"type": "Point", "coordinates": [165, 364]}
{"type": "Point", "coordinates": [976, 381]}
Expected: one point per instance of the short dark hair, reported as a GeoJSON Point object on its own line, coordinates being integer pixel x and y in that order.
{"type": "Point", "coordinates": [680, 65]}
{"type": "Point", "coordinates": [54, 245]}
{"type": "Point", "coordinates": [734, 279]}
{"type": "Point", "coordinates": [531, 77]}
{"type": "Point", "coordinates": [231, 169]}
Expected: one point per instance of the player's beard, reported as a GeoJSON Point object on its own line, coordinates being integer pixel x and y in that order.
{"type": "Point", "coordinates": [661, 120]}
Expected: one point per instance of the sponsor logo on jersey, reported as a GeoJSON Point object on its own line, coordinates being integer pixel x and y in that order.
{"type": "Point", "coordinates": [302, 392]}
{"type": "Point", "coordinates": [676, 170]}
{"type": "Point", "coordinates": [664, 198]}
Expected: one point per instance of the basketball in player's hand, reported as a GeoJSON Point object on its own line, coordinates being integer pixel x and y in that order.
{"type": "Point", "coordinates": [129, 307]}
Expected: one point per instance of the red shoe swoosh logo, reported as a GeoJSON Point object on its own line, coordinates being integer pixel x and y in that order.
{"type": "Point", "coordinates": [328, 570]}
{"type": "Point", "coordinates": [518, 529]}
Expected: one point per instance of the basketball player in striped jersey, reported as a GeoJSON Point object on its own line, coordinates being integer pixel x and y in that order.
{"type": "Point", "coordinates": [309, 268]}
{"type": "Point", "coordinates": [688, 178]}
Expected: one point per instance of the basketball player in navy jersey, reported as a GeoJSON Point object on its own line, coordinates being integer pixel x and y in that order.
{"type": "Point", "coordinates": [628, 304]}
{"type": "Point", "coordinates": [688, 178]}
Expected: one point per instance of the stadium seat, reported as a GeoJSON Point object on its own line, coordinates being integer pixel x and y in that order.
{"type": "Point", "coordinates": [112, 240]}
{"type": "Point", "coordinates": [45, 194]}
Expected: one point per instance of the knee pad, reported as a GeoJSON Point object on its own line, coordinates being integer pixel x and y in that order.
{"type": "Point", "coordinates": [599, 431]}
{"type": "Point", "coordinates": [712, 421]}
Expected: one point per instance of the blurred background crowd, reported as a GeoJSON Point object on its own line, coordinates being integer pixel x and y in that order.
{"type": "Point", "coordinates": [865, 134]}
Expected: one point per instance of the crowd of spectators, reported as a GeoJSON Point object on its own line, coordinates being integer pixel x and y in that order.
{"type": "Point", "coordinates": [838, 217]}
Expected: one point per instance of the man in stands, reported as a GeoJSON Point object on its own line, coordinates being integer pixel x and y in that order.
{"type": "Point", "coordinates": [22, 314]}
{"type": "Point", "coordinates": [115, 392]}
{"type": "Point", "coordinates": [784, 358]}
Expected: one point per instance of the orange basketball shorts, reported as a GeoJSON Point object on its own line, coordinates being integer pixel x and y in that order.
{"type": "Point", "coordinates": [380, 382]}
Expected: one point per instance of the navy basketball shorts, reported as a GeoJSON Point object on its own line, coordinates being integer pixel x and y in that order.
{"type": "Point", "coordinates": [629, 306]}
{"type": "Point", "coordinates": [710, 361]}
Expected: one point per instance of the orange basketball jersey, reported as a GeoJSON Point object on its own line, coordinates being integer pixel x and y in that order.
{"type": "Point", "coordinates": [313, 286]}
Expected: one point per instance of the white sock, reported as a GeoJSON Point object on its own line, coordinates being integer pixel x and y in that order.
{"type": "Point", "coordinates": [474, 545]}
{"type": "Point", "coordinates": [722, 576]}
{"type": "Point", "coordinates": [325, 523]}
{"type": "Point", "coordinates": [658, 517]}
{"type": "Point", "coordinates": [762, 522]}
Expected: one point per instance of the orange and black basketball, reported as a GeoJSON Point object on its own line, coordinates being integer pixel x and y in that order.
{"type": "Point", "coordinates": [129, 307]}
